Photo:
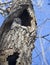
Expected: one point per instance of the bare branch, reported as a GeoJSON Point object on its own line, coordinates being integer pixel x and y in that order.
{"type": "Point", "coordinates": [44, 36]}
{"type": "Point", "coordinates": [3, 6]}
{"type": "Point", "coordinates": [41, 53]}
{"type": "Point", "coordinates": [46, 39]}
{"type": "Point", "coordinates": [5, 3]}
{"type": "Point", "coordinates": [38, 3]}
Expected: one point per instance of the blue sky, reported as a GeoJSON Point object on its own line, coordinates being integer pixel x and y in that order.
{"type": "Point", "coordinates": [42, 13]}
{"type": "Point", "coordinates": [1, 19]}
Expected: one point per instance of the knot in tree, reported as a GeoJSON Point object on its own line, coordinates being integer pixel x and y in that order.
{"type": "Point", "coordinates": [17, 34]}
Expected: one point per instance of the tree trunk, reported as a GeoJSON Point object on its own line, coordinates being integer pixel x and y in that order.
{"type": "Point", "coordinates": [17, 34]}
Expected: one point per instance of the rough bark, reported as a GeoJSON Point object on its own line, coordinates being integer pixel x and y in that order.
{"type": "Point", "coordinates": [17, 34]}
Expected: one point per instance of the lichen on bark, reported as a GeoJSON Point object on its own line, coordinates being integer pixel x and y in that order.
{"type": "Point", "coordinates": [18, 34]}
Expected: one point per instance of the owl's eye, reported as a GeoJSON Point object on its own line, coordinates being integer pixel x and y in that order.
{"type": "Point", "coordinates": [25, 18]}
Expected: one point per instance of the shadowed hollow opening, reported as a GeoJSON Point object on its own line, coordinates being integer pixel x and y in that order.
{"type": "Point", "coordinates": [12, 59]}
{"type": "Point", "coordinates": [25, 18]}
